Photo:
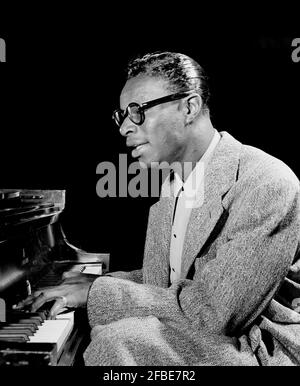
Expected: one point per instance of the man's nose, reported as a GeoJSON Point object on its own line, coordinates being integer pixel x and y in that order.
{"type": "Point", "coordinates": [127, 127]}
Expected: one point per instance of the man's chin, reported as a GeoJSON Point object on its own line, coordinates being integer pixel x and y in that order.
{"type": "Point", "coordinates": [148, 162]}
{"type": "Point", "coordinates": [143, 163]}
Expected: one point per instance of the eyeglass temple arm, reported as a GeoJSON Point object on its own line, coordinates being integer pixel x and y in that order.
{"type": "Point", "coordinates": [165, 99]}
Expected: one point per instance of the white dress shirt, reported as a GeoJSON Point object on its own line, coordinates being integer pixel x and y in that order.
{"type": "Point", "coordinates": [187, 195]}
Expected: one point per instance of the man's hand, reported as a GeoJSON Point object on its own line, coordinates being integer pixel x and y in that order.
{"type": "Point", "coordinates": [73, 292]}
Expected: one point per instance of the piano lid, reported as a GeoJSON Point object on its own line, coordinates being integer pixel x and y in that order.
{"type": "Point", "coordinates": [22, 207]}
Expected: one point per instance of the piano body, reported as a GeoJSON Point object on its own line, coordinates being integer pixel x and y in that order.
{"type": "Point", "coordinates": [34, 253]}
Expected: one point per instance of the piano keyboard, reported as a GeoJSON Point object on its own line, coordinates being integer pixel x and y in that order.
{"type": "Point", "coordinates": [27, 327]}
{"type": "Point", "coordinates": [35, 328]}
{"type": "Point", "coordinates": [32, 329]}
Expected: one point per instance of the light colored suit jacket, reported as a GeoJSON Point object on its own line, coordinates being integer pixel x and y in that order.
{"type": "Point", "coordinates": [238, 250]}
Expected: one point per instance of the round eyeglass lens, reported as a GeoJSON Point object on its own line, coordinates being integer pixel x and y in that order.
{"type": "Point", "coordinates": [135, 113]}
{"type": "Point", "coordinates": [118, 116]}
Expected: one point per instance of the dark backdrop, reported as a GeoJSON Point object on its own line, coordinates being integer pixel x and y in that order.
{"type": "Point", "coordinates": [58, 89]}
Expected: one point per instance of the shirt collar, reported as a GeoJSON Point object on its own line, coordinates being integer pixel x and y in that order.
{"type": "Point", "coordinates": [174, 183]}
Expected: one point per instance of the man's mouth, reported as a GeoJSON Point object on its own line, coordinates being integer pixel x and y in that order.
{"type": "Point", "coordinates": [138, 147]}
{"type": "Point", "coordinates": [136, 152]}
{"type": "Point", "coordinates": [135, 145]}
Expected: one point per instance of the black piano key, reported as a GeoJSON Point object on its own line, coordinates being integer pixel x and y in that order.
{"type": "Point", "coordinates": [23, 317]}
{"type": "Point", "coordinates": [35, 317]}
{"type": "Point", "coordinates": [28, 321]}
{"type": "Point", "coordinates": [16, 314]}
{"type": "Point", "coordinates": [16, 330]}
{"type": "Point", "coordinates": [46, 307]}
{"type": "Point", "coordinates": [40, 316]}
{"type": "Point", "coordinates": [43, 314]}
{"type": "Point", "coordinates": [21, 337]}
{"type": "Point", "coordinates": [13, 339]}
{"type": "Point", "coordinates": [35, 322]}
{"type": "Point", "coordinates": [28, 326]}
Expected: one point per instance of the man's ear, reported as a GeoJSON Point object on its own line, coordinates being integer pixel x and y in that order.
{"type": "Point", "coordinates": [193, 106]}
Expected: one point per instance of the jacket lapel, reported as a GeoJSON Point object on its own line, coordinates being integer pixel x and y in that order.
{"type": "Point", "coordinates": [156, 262]}
{"type": "Point", "coordinates": [219, 176]}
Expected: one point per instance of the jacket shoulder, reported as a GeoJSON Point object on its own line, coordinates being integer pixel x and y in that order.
{"type": "Point", "coordinates": [258, 165]}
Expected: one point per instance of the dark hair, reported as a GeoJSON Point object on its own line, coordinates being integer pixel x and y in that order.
{"type": "Point", "coordinates": [182, 72]}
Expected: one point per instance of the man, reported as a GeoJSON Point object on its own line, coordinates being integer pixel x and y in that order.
{"type": "Point", "coordinates": [219, 279]}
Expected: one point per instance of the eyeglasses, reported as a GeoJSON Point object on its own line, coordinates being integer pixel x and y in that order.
{"type": "Point", "coordinates": [135, 112]}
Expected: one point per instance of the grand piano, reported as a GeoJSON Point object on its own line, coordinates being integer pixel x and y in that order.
{"type": "Point", "coordinates": [34, 254]}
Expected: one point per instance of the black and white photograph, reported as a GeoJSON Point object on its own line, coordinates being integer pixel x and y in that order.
{"type": "Point", "coordinates": [149, 199]}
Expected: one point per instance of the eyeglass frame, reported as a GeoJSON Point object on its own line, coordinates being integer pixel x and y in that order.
{"type": "Point", "coordinates": [147, 105]}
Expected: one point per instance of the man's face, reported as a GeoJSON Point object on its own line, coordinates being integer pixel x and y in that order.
{"type": "Point", "coordinates": [162, 136]}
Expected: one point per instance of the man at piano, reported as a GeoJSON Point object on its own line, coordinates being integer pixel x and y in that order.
{"type": "Point", "coordinates": [220, 278]}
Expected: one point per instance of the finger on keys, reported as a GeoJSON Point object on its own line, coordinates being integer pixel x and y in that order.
{"type": "Point", "coordinates": [58, 307]}
{"type": "Point", "coordinates": [41, 299]}
{"type": "Point", "coordinates": [25, 302]}
{"type": "Point", "coordinates": [30, 299]}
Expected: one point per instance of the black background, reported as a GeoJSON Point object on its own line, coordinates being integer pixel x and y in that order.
{"type": "Point", "coordinates": [62, 80]}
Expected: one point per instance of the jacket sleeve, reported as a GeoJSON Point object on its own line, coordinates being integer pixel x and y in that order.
{"type": "Point", "coordinates": [232, 288]}
{"type": "Point", "coordinates": [135, 275]}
